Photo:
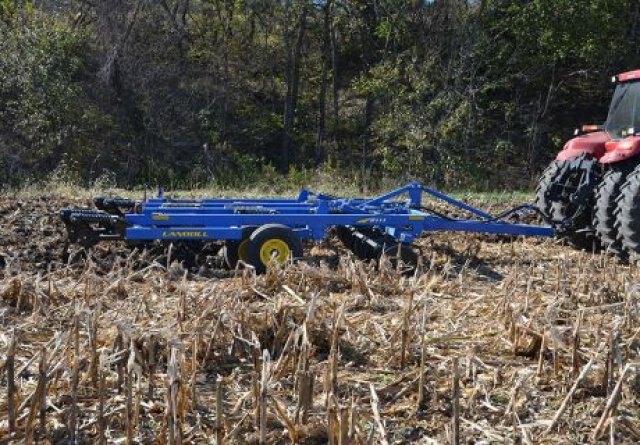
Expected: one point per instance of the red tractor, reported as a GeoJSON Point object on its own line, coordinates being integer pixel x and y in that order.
{"type": "Point", "coordinates": [593, 186]}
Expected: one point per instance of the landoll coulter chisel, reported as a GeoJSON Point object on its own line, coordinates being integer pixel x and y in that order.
{"type": "Point", "coordinates": [258, 231]}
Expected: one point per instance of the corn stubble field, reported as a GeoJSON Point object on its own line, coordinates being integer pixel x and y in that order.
{"type": "Point", "coordinates": [494, 340]}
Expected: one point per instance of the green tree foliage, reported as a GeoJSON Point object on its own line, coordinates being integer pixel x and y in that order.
{"type": "Point", "coordinates": [190, 92]}
{"type": "Point", "coordinates": [38, 89]}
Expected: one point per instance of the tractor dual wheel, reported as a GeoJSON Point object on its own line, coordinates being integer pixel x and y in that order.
{"type": "Point", "coordinates": [606, 203]}
{"type": "Point", "coordinates": [556, 198]}
{"type": "Point", "coordinates": [544, 186]}
{"type": "Point", "coordinates": [627, 213]}
{"type": "Point", "coordinates": [272, 242]}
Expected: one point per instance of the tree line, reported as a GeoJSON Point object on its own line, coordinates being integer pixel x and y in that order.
{"type": "Point", "coordinates": [457, 93]}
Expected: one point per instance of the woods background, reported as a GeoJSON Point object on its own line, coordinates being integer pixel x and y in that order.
{"type": "Point", "coordinates": [456, 93]}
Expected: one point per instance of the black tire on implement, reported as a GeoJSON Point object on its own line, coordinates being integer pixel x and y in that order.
{"type": "Point", "coordinates": [553, 198]}
{"type": "Point", "coordinates": [628, 212]}
{"type": "Point", "coordinates": [231, 249]}
{"type": "Point", "coordinates": [606, 201]}
{"type": "Point", "coordinates": [281, 236]}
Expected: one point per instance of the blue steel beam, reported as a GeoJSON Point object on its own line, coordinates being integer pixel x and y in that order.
{"type": "Point", "coordinates": [311, 215]}
{"type": "Point", "coordinates": [410, 225]}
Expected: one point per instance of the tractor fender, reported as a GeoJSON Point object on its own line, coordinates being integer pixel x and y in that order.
{"type": "Point", "coordinates": [590, 143]}
{"type": "Point", "coordinates": [617, 151]}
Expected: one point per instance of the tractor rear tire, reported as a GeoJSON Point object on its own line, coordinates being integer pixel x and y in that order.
{"type": "Point", "coordinates": [628, 212]}
{"type": "Point", "coordinates": [544, 185]}
{"type": "Point", "coordinates": [560, 208]}
{"type": "Point", "coordinates": [606, 200]}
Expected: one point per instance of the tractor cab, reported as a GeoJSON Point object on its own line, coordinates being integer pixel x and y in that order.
{"type": "Point", "coordinates": [623, 122]}
{"type": "Point", "coordinates": [616, 140]}
{"type": "Point", "coordinates": [624, 113]}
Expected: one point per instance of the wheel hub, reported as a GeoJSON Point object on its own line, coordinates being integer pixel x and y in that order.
{"type": "Point", "coordinates": [275, 249]}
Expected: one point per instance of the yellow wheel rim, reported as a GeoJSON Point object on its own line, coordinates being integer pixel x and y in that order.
{"type": "Point", "coordinates": [276, 249]}
{"type": "Point", "coordinates": [243, 250]}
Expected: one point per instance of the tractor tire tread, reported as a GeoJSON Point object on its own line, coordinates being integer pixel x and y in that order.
{"type": "Point", "coordinates": [559, 210]}
{"type": "Point", "coordinates": [628, 213]}
{"type": "Point", "coordinates": [605, 213]}
{"type": "Point", "coordinates": [544, 184]}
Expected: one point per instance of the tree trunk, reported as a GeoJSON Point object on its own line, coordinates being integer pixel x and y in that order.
{"type": "Point", "coordinates": [635, 14]}
{"type": "Point", "coordinates": [369, 27]}
{"type": "Point", "coordinates": [319, 153]}
{"type": "Point", "coordinates": [336, 105]}
{"type": "Point", "coordinates": [366, 143]}
{"type": "Point", "coordinates": [294, 56]}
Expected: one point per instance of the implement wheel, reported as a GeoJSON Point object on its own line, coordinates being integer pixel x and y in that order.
{"type": "Point", "coordinates": [556, 196]}
{"type": "Point", "coordinates": [606, 202]}
{"type": "Point", "coordinates": [237, 250]}
{"type": "Point", "coordinates": [272, 242]}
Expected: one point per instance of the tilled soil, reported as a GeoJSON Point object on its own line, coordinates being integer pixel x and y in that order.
{"type": "Point", "coordinates": [118, 344]}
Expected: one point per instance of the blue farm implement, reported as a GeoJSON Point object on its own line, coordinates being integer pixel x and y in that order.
{"type": "Point", "coordinates": [258, 231]}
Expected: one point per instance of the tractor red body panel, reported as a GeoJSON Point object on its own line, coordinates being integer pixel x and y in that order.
{"type": "Point", "coordinates": [591, 143]}
{"type": "Point", "coordinates": [617, 151]}
{"type": "Point", "coordinates": [602, 147]}
{"type": "Point", "coordinates": [628, 76]}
